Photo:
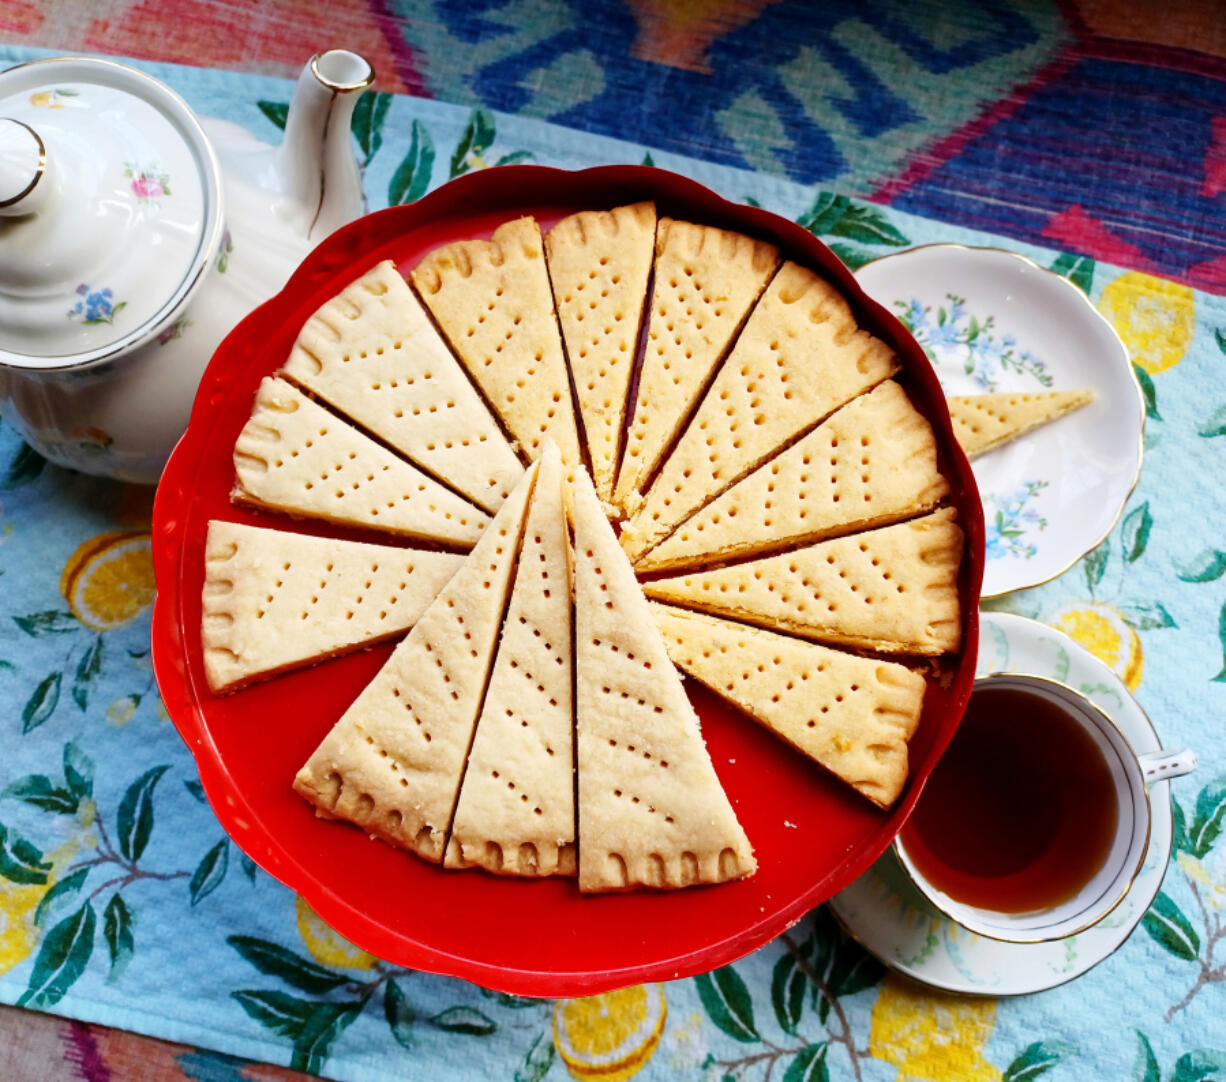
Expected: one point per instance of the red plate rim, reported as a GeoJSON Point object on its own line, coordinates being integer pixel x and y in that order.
{"type": "Point", "coordinates": [189, 493]}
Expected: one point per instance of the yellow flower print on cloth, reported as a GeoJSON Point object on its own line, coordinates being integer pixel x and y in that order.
{"type": "Point", "coordinates": [326, 945]}
{"type": "Point", "coordinates": [1103, 631]}
{"type": "Point", "coordinates": [610, 1036]}
{"type": "Point", "coordinates": [18, 932]}
{"type": "Point", "coordinates": [1209, 874]}
{"type": "Point", "coordinates": [930, 1036]}
{"type": "Point", "coordinates": [109, 579]}
{"type": "Point", "coordinates": [1155, 318]}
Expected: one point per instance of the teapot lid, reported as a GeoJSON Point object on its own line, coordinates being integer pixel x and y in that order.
{"type": "Point", "coordinates": [110, 210]}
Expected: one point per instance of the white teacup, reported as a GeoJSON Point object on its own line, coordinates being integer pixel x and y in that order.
{"type": "Point", "coordinates": [1106, 884]}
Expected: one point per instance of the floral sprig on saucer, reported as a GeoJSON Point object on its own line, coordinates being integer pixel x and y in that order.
{"type": "Point", "coordinates": [95, 305]}
{"type": "Point", "coordinates": [149, 183]}
{"type": "Point", "coordinates": [954, 334]}
{"type": "Point", "coordinates": [1007, 529]}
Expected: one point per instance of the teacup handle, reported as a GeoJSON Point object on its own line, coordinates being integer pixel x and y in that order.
{"type": "Point", "coordinates": [1160, 765]}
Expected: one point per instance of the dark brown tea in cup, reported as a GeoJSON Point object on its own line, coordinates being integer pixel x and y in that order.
{"type": "Point", "coordinates": [1021, 810]}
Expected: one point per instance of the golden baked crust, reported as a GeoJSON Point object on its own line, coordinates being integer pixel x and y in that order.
{"type": "Point", "coordinates": [516, 811]}
{"type": "Point", "coordinates": [706, 281]}
{"type": "Point", "coordinates": [872, 462]}
{"type": "Point", "coordinates": [599, 264]}
{"type": "Point", "coordinates": [893, 589]}
{"type": "Point", "coordinates": [393, 762]}
{"type": "Point", "coordinates": [493, 302]}
{"type": "Point", "coordinates": [275, 600]}
{"type": "Point", "coordinates": [296, 457]}
{"type": "Point", "coordinates": [853, 715]}
{"type": "Point", "coordinates": [799, 358]}
{"type": "Point", "coordinates": [985, 421]}
{"type": "Point", "coordinates": [652, 811]}
{"type": "Point", "coordinates": [372, 353]}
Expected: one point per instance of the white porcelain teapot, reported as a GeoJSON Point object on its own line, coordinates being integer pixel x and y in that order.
{"type": "Point", "coordinates": [134, 236]}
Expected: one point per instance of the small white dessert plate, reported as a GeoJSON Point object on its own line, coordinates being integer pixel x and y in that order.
{"type": "Point", "coordinates": [884, 913]}
{"type": "Point", "coordinates": [994, 321]}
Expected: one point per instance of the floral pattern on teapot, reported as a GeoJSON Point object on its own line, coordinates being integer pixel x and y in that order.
{"type": "Point", "coordinates": [149, 183]}
{"type": "Point", "coordinates": [51, 99]}
{"type": "Point", "coordinates": [175, 330]}
{"type": "Point", "coordinates": [95, 305]}
{"type": "Point", "coordinates": [224, 252]}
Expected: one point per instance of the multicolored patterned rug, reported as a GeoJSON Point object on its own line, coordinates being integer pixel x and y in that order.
{"type": "Point", "coordinates": [1091, 125]}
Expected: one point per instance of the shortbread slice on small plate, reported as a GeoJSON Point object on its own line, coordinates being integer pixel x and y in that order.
{"type": "Point", "coordinates": [872, 462]}
{"type": "Point", "coordinates": [516, 810]}
{"type": "Point", "coordinates": [983, 422]}
{"type": "Point", "coordinates": [706, 281]}
{"type": "Point", "coordinates": [854, 715]}
{"type": "Point", "coordinates": [893, 589]}
{"type": "Point", "coordinates": [492, 300]}
{"type": "Point", "coordinates": [275, 600]}
{"type": "Point", "coordinates": [800, 357]}
{"type": "Point", "coordinates": [372, 353]}
{"type": "Point", "coordinates": [599, 265]}
{"type": "Point", "coordinates": [393, 762]}
{"type": "Point", "coordinates": [296, 457]}
{"type": "Point", "coordinates": [652, 811]}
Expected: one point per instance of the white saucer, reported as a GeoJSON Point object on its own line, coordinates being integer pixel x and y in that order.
{"type": "Point", "coordinates": [990, 321]}
{"type": "Point", "coordinates": [882, 912]}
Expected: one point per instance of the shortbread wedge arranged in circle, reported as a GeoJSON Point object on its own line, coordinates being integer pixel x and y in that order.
{"type": "Point", "coordinates": [893, 589]}
{"type": "Point", "coordinates": [275, 600]}
{"type": "Point", "coordinates": [872, 462]}
{"type": "Point", "coordinates": [799, 358]}
{"type": "Point", "coordinates": [567, 469]}
{"type": "Point", "coordinates": [295, 456]}
{"type": "Point", "coordinates": [705, 282]}
{"type": "Point", "coordinates": [854, 715]}
{"type": "Point", "coordinates": [652, 811]}
{"type": "Point", "coordinates": [393, 762]}
{"type": "Point", "coordinates": [516, 809]}
{"type": "Point", "coordinates": [493, 302]}
{"type": "Point", "coordinates": [374, 356]}
{"type": "Point", "coordinates": [600, 265]}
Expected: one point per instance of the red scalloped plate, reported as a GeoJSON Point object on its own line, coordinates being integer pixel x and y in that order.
{"type": "Point", "coordinates": [811, 834]}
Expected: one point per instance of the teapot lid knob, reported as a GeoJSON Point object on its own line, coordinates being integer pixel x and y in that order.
{"type": "Point", "coordinates": [23, 165]}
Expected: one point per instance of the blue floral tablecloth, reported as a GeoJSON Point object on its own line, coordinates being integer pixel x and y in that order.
{"type": "Point", "coordinates": [122, 901]}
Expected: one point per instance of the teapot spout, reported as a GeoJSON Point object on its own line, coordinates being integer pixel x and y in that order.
{"type": "Point", "coordinates": [316, 159]}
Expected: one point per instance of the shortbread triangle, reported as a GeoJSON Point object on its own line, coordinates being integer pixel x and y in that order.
{"type": "Point", "coordinates": [493, 302]}
{"type": "Point", "coordinates": [516, 810]}
{"type": "Point", "coordinates": [871, 463]}
{"type": "Point", "coordinates": [295, 456]}
{"type": "Point", "coordinates": [985, 421]}
{"type": "Point", "coordinates": [854, 715]}
{"type": "Point", "coordinates": [373, 354]}
{"type": "Point", "coordinates": [392, 764]}
{"type": "Point", "coordinates": [652, 811]}
{"type": "Point", "coordinates": [893, 589]}
{"type": "Point", "coordinates": [706, 281]}
{"type": "Point", "coordinates": [599, 263]}
{"type": "Point", "coordinates": [274, 600]}
{"type": "Point", "coordinates": [799, 358]}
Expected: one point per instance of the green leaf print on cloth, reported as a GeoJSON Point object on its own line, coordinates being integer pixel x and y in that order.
{"type": "Point", "coordinates": [1201, 890]}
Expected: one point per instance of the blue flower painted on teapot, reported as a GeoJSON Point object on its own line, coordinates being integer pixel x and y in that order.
{"type": "Point", "coordinates": [95, 306]}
